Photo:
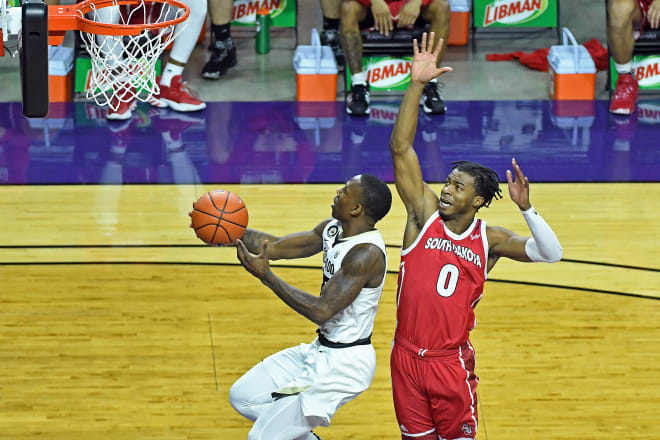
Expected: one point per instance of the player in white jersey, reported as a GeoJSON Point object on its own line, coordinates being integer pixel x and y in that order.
{"type": "Point", "coordinates": [297, 389]}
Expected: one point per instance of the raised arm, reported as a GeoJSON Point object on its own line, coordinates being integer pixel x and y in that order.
{"type": "Point", "coordinates": [298, 245]}
{"type": "Point", "coordinates": [542, 246]}
{"type": "Point", "coordinates": [419, 199]}
{"type": "Point", "coordinates": [363, 266]}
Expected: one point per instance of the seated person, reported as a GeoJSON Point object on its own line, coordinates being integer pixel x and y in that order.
{"type": "Point", "coordinates": [623, 17]}
{"type": "Point", "coordinates": [223, 50]}
{"type": "Point", "coordinates": [381, 14]}
{"type": "Point", "coordinates": [330, 32]}
{"type": "Point", "coordinates": [174, 92]}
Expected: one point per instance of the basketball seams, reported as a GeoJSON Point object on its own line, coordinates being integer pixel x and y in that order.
{"type": "Point", "coordinates": [226, 232]}
{"type": "Point", "coordinates": [214, 232]}
{"type": "Point", "coordinates": [203, 226]}
{"type": "Point", "coordinates": [222, 211]}
{"type": "Point", "coordinates": [234, 212]}
{"type": "Point", "coordinates": [207, 213]}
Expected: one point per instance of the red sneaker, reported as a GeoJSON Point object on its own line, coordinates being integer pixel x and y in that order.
{"type": "Point", "coordinates": [178, 96]}
{"type": "Point", "coordinates": [122, 104]}
{"type": "Point", "coordinates": [625, 95]}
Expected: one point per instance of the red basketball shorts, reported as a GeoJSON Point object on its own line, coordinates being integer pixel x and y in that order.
{"type": "Point", "coordinates": [395, 6]}
{"type": "Point", "coordinates": [435, 393]}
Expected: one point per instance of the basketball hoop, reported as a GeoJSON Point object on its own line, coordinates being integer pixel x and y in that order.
{"type": "Point", "coordinates": [124, 61]}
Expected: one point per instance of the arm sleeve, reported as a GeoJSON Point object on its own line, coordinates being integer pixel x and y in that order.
{"type": "Point", "coordinates": [543, 246]}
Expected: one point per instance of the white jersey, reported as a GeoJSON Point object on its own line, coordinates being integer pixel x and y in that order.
{"type": "Point", "coordinates": [357, 320]}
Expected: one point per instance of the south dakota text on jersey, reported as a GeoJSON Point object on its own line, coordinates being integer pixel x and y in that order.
{"type": "Point", "coordinates": [445, 245]}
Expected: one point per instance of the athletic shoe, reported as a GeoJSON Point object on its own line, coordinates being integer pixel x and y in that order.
{"type": "Point", "coordinates": [316, 436]}
{"type": "Point", "coordinates": [625, 95]}
{"type": "Point", "coordinates": [357, 100]}
{"type": "Point", "coordinates": [223, 56]}
{"type": "Point", "coordinates": [178, 96]}
{"type": "Point", "coordinates": [431, 101]}
{"type": "Point", "coordinates": [122, 104]}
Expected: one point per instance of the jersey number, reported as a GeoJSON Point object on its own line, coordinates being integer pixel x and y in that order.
{"type": "Point", "coordinates": [447, 280]}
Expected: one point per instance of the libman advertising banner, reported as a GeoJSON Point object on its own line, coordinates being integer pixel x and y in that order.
{"type": "Point", "coordinates": [515, 13]}
{"type": "Point", "coordinates": [282, 12]}
{"type": "Point", "coordinates": [385, 73]}
{"type": "Point", "coordinates": [83, 74]}
{"type": "Point", "coordinates": [646, 69]}
{"type": "Point", "coordinates": [648, 112]}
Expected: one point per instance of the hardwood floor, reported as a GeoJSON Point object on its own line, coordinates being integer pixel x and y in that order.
{"type": "Point", "coordinates": [116, 324]}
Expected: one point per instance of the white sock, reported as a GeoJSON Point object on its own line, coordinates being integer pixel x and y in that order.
{"type": "Point", "coordinates": [171, 70]}
{"type": "Point", "coordinates": [624, 68]}
{"type": "Point", "coordinates": [359, 78]}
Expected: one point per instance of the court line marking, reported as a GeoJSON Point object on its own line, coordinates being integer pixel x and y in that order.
{"type": "Point", "coordinates": [215, 372]}
{"type": "Point", "coordinates": [292, 266]}
{"type": "Point", "coordinates": [392, 246]}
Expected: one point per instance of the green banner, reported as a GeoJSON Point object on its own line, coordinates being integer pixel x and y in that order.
{"type": "Point", "coordinates": [645, 68]}
{"type": "Point", "coordinates": [385, 73]}
{"type": "Point", "coordinates": [515, 13]}
{"type": "Point", "coordinates": [282, 12]}
{"type": "Point", "coordinates": [83, 72]}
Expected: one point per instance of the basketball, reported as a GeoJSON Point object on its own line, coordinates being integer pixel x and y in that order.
{"type": "Point", "coordinates": [219, 217]}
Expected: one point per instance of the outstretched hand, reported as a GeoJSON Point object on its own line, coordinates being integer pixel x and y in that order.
{"type": "Point", "coordinates": [424, 64]}
{"type": "Point", "coordinates": [257, 265]}
{"type": "Point", "coordinates": [518, 188]}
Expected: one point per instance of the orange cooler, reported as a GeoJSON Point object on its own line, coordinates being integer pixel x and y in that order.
{"type": "Point", "coordinates": [571, 71]}
{"type": "Point", "coordinates": [60, 74]}
{"type": "Point", "coordinates": [459, 22]}
{"type": "Point", "coordinates": [316, 71]}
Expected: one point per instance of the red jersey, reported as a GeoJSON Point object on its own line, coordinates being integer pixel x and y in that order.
{"type": "Point", "coordinates": [441, 279]}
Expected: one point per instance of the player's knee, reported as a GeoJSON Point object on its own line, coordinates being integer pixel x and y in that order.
{"type": "Point", "coordinates": [621, 11]}
{"type": "Point", "coordinates": [239, 399]}
{"type": "Point", "coordinates": [350, 12]}
{"type": "Point", "coordinates": [437, 10]}
{"type": "Point", "coordinates": [254, 435]}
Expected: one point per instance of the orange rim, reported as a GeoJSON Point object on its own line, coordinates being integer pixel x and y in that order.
{"type": "Point", "coordinates": [69, 17]}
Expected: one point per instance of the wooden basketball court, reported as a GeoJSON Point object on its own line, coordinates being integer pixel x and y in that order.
{"type": "Point", "coordinates": [117, 323]}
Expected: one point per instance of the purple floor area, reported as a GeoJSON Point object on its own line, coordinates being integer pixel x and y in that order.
{"type": "Point", "coordinates": [290, 142]}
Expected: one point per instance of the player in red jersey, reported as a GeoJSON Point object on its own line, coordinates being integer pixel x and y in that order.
{"type": "Point", "coordinates": [623, 16]}
{"type": "Point", "coordinates": [445, 259]}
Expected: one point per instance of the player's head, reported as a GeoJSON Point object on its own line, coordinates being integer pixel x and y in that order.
{"type": "Point", "coordinates": [469, 187]}
{"type": "Point", "coordinates": [363, 195]}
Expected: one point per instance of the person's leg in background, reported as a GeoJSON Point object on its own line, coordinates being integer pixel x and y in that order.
{"type": "Point", "coordinates": [623, 15]}
{"type": "Point", "coordinates": [438, 14]}
{"type": "Point", "coordinates": [330, 33]}
{"type": "Point", "coordinates": [223, 50]}
{"type": "Point", "coordinates": [357, 99]}
{"type": "Point", "coordinates": [122, 102]}
{"type": "Point", "coordinates": [174, 93]}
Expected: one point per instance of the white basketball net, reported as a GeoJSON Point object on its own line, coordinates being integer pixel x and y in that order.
{"type": "Point", "coordinates": [124, 67]}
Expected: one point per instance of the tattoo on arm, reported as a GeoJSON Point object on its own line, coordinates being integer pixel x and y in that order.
{"type": "Point", "coordinates": [253, 240]}
{"type": "Point", "coordinates": [364, 265]}
{"type": "Point", "coordinates": [299, 300]}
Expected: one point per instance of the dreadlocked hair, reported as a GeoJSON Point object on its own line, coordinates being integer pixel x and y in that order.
{"type": "Point", "coordinates": [486, 181]}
